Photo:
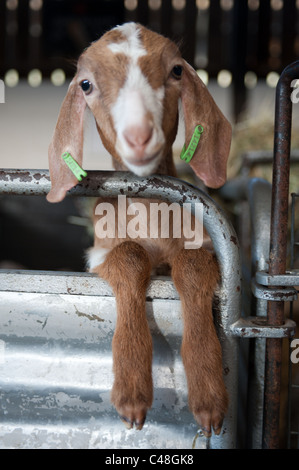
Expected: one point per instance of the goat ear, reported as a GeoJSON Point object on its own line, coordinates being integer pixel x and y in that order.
{"type": "Point", "coordinates": [210, 159]}
{"type": "Point", "coordinates": [68, 136]}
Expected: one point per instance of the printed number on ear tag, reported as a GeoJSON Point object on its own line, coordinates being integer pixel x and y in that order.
{"type": "Point", "coordinates": [187, 155]}
{"type": "Point", "coordinates": [74, 166]}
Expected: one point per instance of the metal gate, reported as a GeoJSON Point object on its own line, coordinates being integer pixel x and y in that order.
{"type": "Point", "coordinates": [272, 284]}
{"type": "Point", "coordinates": [56, 331]}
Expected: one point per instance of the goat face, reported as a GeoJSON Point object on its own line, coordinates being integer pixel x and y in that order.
{"type": "Point", "coordinates": [131, 82]}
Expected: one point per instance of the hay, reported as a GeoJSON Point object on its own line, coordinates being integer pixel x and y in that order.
{"type": "Point", "coordinates": [252, 135]}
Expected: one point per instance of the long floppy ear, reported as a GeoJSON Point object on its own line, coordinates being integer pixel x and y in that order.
{"type": "Point", "coordinates": [68, 137]}
{"type": "Point", "coordinates": [210, 159]}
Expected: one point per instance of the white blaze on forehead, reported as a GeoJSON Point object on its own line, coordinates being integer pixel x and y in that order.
{"type": "Point", "coordinates": [131, 46]}
{"type": "Point", "coordinates": [136, 99]}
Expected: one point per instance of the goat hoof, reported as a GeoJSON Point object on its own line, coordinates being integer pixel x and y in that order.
{"type": "Point", "coordinates": [206, 432]}
{"type": "Point", "coordinates": [207, 422]}
{"type": "Point", "coordinates": [131, 418]}
{"type": "Point", "coordinates": [128, 423]}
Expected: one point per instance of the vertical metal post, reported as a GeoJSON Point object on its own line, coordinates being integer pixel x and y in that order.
{"type": "Point", "coordinates": [259, 197]}
{"type": "Point", "coordinates": [278, 249]}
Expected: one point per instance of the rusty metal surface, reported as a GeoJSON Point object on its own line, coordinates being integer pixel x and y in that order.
{"type": "Point", "coordinates": [257, 327]}
{"type": "Point", "coordinates": [24, 182]}
{"type": "Point", "coordinates": [290, 278]}
{"type": "Point", "coordinates": [272, 293]}
{"type": "Point", "coordinates": [278, 249]}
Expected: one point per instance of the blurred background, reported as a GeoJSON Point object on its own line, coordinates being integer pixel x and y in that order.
{"type": "Point", "coordinates": [238, 47]}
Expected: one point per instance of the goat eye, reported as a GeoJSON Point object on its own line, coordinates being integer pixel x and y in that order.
{"type": "Point", "coordinates": [177, 72]}
{"type": "Point", "coordinates": [86, 86]}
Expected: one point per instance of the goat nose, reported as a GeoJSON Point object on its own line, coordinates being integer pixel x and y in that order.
{"type": "Point", "coordinates": [138, 136]}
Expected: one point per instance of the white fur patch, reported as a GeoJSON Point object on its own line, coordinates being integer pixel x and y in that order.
{"type": "Point", "coordinates": [95, 257]}
{"type": "Point", "coordinates": [132, 46]}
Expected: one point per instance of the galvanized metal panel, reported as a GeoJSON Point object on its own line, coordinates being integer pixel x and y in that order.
{"type": "Point", "coordinates": [54, 282]}
{"type": "Point", "coordinates": [56, 375]}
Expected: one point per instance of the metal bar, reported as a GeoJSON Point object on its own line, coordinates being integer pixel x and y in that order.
{"type": "Point", "coordinates": [290, 278]}
{"type": "Point", "coordinates": [268, 293]}
{"type": "Point", "coordinates": [53, 282]}
{"type": "Point", "coordinates": [290, 366]}
{"type": "Point", "coordinates": [260, 157]}
{"type": "Point", "coordinates": [87, 284]}
{"type": "Point", "coordinates": [278, 249]}
{"type": "Point", "coordinates": [259, 199]}
{"type": "Point", "coordinates": [292, 229]}
{"type": "Point", "coordinates": [257, 327]}
{"type": "Point", "coordinates": [222, 234]}
{"type": "Point", "coordinates": [24, 182]}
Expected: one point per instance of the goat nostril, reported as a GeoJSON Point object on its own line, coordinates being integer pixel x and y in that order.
{"type": "Point", "coordinates": [138, 136]}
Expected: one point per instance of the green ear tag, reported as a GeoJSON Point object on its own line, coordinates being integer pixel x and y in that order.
{"type": "Point", "coordinates": [74, 166]}
{"type": "Point", "coordinates": [188, 154]}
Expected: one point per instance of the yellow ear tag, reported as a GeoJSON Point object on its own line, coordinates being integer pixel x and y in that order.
{"type": "Point", "coordinates": [74, 166]}
{"type": "Point", "coordinates": [187, 155]}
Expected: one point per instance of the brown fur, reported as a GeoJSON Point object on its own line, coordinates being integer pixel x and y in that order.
{"type": "Point", "coordinates": [127, 268]}
{"type": "Point", "coordinates": [128, 264]}
{"type": "Point", "coordinates": [195, 274]}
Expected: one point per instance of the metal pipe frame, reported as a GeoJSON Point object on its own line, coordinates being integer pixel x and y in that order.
{"type": "Point", "coordinates": [278, 249]}
{"type": "Point", "coordinates": [112, 184]}
{"type": "Point", "coordinates": [259, 199]}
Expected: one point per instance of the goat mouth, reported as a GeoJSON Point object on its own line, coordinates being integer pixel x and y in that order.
{"type": "Point", "coordinates": [143, 162]}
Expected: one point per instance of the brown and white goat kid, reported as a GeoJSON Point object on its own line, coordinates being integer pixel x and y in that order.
{"type": "Point", "coordinates": [132, 80]}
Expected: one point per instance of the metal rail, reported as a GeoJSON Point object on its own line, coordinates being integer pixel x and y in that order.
{"type": "Point", "coordinates": [264, 287]}
{"type": "Point", "coordinates": [104, 184]}
{"type": "Point", "coordinates": [278, 249]}
{"type": "Point", "coordinates": [112, 184]}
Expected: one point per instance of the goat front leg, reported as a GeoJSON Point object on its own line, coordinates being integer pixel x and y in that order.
{"type": "Point", "coordinates": [127, 268]}
{"type": "Point", "coordinates": [195, 274]}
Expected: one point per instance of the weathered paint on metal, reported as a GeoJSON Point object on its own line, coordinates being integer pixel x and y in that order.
{"type": "Point", "coordinates": [290, 278]}
{"type": "Point", "coordinates": [273, 293]}
{"type": "Point", "coordinates": [257, 327]}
